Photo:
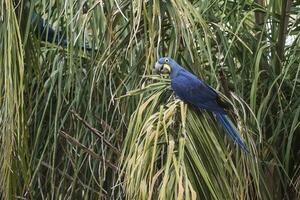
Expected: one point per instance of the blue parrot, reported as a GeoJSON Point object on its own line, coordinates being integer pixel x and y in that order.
{"type": "Point", "coordinates": [48, 34]}
{"type": "Point", "coordinates": [192, 90]}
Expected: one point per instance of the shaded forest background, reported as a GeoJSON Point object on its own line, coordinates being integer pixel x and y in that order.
{"type": "Point", "coordinates": [83, 116]}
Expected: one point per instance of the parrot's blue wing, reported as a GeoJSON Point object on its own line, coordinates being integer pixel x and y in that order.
{"type": "Point", "coordinates": [190, 89]}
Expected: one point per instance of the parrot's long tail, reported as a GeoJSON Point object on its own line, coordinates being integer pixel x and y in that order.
{"type": "Point", "coordinates": [233, 133]}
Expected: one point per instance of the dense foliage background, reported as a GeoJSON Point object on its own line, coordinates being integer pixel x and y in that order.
{"type": "Point", "coordinates": [90, 120]}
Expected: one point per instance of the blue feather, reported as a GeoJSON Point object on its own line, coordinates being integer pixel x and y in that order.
{"type": "Point", "coordinates": [232, 132]}
{"type": "Point", "coordinates": [194, 91]}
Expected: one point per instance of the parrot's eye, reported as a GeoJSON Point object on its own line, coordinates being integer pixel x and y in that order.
{"type": "Point", "coordinates": [166, 60]}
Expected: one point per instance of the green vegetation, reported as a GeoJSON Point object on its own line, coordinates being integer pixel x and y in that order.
{"type": "Point", "coordinates": [98, 124]}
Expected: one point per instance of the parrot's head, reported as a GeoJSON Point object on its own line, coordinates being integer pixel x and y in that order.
{"type": "Point", "coordinates": [164, 65]}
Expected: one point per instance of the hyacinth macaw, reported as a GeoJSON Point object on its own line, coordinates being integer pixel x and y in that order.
{"type": "Point", "coordinates": [192, 90]}
{"type": "Point", "coordinates": [47, 33]}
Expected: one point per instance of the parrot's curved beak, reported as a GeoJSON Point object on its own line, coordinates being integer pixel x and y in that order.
{"type": "Point", "coordinates": [158, 67]}
{"type": "Point", "coordinates": [162, 68]}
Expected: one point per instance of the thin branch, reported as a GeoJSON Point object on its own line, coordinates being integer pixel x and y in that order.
{"type": "Point", "coordinates": [72, 179]}
{"type": "Point", "coordinates": [105, 125]}
{"type": "Point", "coordinates": [87, 150]}
{"type": "Point", "coordinates": [96, 132]}
{"type": "Point", "coordinates": [224, 83]}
